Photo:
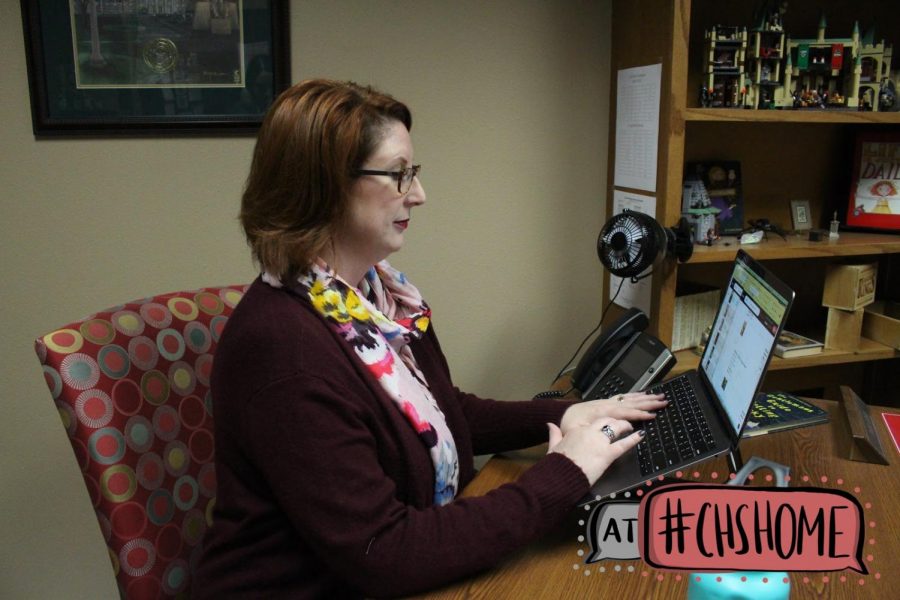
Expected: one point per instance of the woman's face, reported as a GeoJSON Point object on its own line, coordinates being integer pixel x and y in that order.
{"type": "Point", "coordinates": [379, 215]}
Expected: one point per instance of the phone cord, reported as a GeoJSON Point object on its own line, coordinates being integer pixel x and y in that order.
{"type": "Point", "coordinates": [549, 394]}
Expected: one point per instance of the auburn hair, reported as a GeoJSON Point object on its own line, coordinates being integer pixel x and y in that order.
{"type": "Point", "coordinates": [314, 138]}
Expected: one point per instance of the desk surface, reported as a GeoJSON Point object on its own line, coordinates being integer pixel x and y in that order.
{"type": "Point", "coordinates": [553, 568]}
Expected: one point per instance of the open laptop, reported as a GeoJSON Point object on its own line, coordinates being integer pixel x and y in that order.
{"type": "Point", "coordinates": [752, 313]}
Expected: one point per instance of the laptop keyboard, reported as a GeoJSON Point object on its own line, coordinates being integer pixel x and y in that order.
{"type": "Point", "coordinates": [678, 433]}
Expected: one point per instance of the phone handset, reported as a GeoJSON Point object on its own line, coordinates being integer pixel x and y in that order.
{"type": "Point", "coordinates": [623, 358]}
{"type": "Point", "coordinates": [601, 356]}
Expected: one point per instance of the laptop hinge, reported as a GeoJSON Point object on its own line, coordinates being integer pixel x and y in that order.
{"type": "Point", "coordinates": [735, 461]}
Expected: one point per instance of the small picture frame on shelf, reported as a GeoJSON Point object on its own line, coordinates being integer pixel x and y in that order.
{"type": "Point", "coordinates": [801, 217]}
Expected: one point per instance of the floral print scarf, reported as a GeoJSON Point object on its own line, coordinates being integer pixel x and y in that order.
{"type": "Point", "coordinates": [379, 320]}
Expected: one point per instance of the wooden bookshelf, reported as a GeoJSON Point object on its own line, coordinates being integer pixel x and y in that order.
{"type": "Point", "coordinates": [784, 155]}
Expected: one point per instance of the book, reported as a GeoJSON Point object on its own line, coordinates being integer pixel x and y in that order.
{"type": "Point", "coordinates": [695, 310]}
{"type": "Point", "coordinates": [892, 422]}
{"type": "Point", "coordinates": [779, 411]}
{"type": "Point", "coordinates": [874, 194]}
{"type": "Point", "coordinates": [790, 344]}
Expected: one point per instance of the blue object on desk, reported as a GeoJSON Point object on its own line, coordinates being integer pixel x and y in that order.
{"type": "Point", "coordinates": [732, 587]}
{"type": "Point", "coordinates": [745, 585]}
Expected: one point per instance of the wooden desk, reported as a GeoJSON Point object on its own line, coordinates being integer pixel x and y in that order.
{"type": "Point", "coordinates": [552, 567]}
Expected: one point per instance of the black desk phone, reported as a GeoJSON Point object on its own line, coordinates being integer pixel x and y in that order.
{"type": "Point", "coordinates": [623, 358]}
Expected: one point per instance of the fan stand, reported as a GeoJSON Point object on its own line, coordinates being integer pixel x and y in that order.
{"type": "Point", "coordinates": [636, 278]}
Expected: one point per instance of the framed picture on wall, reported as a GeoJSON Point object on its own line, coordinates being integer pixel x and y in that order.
{"type": "Point", "coordinates": [875, 185]}
{"type": "Point", "coordinates": [154, 66]}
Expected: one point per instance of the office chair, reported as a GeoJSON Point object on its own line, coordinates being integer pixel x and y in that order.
{"type": "Point", "coordinates": [131, 384]}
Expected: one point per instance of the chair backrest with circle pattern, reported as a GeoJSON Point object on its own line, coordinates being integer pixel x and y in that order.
{"type": "Point", "coordinates": [131, 384]}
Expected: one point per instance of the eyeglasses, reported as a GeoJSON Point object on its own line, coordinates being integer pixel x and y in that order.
{"type": "Point", "coordinates": [404, 177]}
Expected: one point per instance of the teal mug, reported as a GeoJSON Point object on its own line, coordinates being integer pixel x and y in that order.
{"type": "Point", "coordinates": [744, 585]}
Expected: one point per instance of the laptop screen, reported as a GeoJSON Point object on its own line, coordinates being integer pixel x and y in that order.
{"type": "Point", "coordinates": [750, 317]}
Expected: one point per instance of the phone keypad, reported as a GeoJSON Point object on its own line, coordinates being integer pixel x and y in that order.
{"type": "Point", "coordinates": [609, 387]}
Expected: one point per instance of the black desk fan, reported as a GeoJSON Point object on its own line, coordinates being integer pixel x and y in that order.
{"type": "Point", "coordinates": [631, 241]}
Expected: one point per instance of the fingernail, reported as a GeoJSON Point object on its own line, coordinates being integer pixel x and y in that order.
{"type": "Point", "coordinates": [642, 432]}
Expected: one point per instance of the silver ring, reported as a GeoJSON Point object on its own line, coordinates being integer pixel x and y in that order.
{"type": "Point", "coordinates": [608, 432]}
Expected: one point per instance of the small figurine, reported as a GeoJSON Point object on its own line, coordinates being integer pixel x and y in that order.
{"type": "Point", "coordinates": [697, 209]}
{"type": "Point", "coordinates": [833, 228]}
{"type": "Point", "coordinates": [770, 16]}
{"type": "Point", "coordinates": [887, 98]}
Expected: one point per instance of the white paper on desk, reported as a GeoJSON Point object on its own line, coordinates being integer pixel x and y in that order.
{"type": "Point", "coordinates": [637, 126]}
{"type": "Point", "coordinates": [632, 294]}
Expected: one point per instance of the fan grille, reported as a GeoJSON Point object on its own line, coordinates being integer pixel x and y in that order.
{"type": "Point", "coordinates": [627, 244]}
{"type": "Point", "coordinates": [631, 241]}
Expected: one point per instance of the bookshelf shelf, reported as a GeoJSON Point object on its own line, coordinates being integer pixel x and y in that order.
{"type": "Point", "coordinates": [868, 350]}
{"type": "Point", "coordinates": [797, 246]}
{"type": "Point", "coordinates": [733, 115]}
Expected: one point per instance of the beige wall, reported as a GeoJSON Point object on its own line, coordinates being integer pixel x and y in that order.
{"type": "Point", "coordinates": [510, 107]}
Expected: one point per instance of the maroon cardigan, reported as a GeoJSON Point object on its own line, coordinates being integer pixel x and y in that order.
{"type": "Point", "coordinates": [325, 490]}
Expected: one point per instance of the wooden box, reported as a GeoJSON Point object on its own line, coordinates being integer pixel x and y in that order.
{"type": "Point", "coordinates": [843, 329]}
{"type": "Point", "coordinates": [881, 323]}
{"type": "Point", "coordinates": [850, 287]}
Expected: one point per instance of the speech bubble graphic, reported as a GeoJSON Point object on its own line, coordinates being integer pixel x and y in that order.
{"type": "Point", "coordinates": [718, 527]}
{"type": "Point", "coordinates": [613, 532]}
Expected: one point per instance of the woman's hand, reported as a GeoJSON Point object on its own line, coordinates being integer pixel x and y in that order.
{"type": "Point", "coordinates": [595, 446]}
{"type": "Point", "coordinates": [634, 406]}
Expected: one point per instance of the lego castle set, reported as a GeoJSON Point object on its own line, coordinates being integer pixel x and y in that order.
{"type": "Point", "coordinates": [763, 68]}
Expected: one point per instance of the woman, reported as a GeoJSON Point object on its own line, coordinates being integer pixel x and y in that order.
{"type": "Point", "coordinates": [341, 442]}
